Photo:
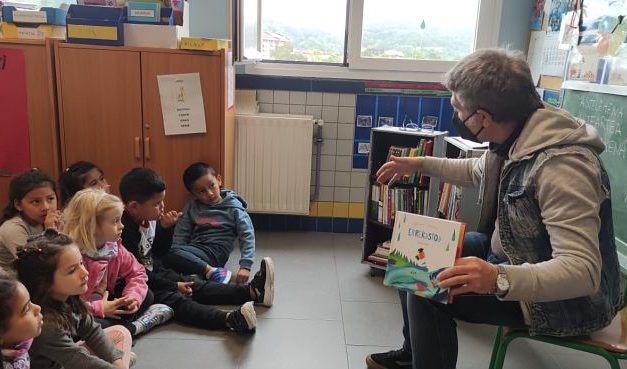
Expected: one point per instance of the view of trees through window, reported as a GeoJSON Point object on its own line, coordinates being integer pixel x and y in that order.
{"type": "Point", "coordinates": [419, 29]}
{"type": "Point", "coordinates": [311, 31]}
{"type": "Point", "coordinates": [392, 29]}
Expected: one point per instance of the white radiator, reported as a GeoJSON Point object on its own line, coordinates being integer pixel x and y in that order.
{"type": "Point", "coordinates": [273, 162]}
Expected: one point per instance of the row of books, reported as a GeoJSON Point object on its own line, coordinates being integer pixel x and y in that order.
{"type": "Point", "coordinates": [380, 254]}
{"type": "Point", "coordinates": [449, 202]}
{"type": "Point", "coordinates": [424, 148]}
{"type": "Point", "coordinates": [385, 201]}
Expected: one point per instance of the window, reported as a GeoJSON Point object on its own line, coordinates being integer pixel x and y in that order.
{"type": "Point", "coordinates": [423, 30]}
{"type": "Point", "coordinates": [392, 35]}
{"type": "Point", "coordinates": [304, 31]}
{"type": "Point", "coordinates": [427, 35]}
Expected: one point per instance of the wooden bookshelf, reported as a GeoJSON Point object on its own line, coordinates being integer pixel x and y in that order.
{"type": "Point", "coordinates": [381, 138]}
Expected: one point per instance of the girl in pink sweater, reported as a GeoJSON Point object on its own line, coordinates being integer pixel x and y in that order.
{"type": "Point", "coordinates": [117, 290]}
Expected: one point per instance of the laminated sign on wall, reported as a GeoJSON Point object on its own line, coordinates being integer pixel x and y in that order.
{"type": "Point", "coordinates": [182, 104]}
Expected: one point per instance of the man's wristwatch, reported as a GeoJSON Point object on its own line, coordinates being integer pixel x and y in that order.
{"type": "Point", "coordinates": [502, 282]}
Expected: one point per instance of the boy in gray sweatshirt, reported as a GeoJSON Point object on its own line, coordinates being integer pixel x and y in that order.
{"type": "Point", "coordinates": [212, 220]}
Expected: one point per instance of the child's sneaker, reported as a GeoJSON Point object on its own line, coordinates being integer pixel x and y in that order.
{"type": "Point", "coordinates": [243, 319]}
{"type": "Point", "coordinates": [220, 275]}
{"type": "Point", "coordinates": [263, 283]}
{"type": "Point", "coordinates": [155, 315]}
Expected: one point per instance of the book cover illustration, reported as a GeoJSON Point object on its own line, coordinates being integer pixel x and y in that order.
{"type": "Point", "coordinates": [421, 248]}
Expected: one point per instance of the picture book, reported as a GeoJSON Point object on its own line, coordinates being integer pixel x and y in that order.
{"type": "Point", "coordinates": [421, 248]}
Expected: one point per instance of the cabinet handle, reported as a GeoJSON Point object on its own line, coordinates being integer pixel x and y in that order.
{"type": "Point", "coordinates": [147, 148]}
{"type": "Point", "coordinates": [137, 152]}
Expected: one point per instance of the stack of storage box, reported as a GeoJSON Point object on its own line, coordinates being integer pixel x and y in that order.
{"type": "Point", "coordinates": [28, 24]}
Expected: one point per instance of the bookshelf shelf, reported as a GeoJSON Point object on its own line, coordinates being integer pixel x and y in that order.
{"type": "Point", "coordinates": [377, 223]}
{"type": "Point", "coordinates": [425, 196]}
{"type": "Point", "coordinates": [373, 179]}
{"type": "Point", "coordinates": [373, 266]}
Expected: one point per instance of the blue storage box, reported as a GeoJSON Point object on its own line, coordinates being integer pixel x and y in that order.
{"type": "Point", "coordinates": [166, 18]}
{"type": "Point", "coordinates": [95, 25]}
{"type": "Point", "coordinates": [45, 15]}
{"type": "Point", "coordinates": [141, 12]}
{"type": "Point", "coordinates": [97, 2]}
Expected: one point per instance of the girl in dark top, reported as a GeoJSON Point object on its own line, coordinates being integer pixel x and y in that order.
{"type": "Point", "coordinates": [79, 176]}
{"type": "Point", "coordinates": [51, 267]}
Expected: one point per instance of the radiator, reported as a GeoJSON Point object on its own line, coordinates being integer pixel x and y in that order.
{"type": "Point", "coordinates": [273, 162]}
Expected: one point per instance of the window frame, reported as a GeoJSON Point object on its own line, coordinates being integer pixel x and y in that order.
{"type": "Point", "coordinates": [356, 67]}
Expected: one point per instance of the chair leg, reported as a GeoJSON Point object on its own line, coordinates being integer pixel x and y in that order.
{"type": "Point", "coordinates": [500, 356]}
{"type": "Point", "coordinates": [613, 362]}
{"type": "Point", "coordinates": [497, 344]}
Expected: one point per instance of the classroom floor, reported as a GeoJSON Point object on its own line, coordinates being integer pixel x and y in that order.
{"type": "Point", "coordinates": [329, 313]}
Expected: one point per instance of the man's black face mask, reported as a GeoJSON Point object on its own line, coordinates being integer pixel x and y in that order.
{"type": "Point", "coordinates": [464, 131]}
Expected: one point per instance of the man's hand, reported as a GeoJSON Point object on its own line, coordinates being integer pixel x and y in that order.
{"type": "Point", "coordinates": [470, 274]}
{"type": "Point", "coordinates": [52, 220]}
{"type": "Point", "coordinates": [169, 219]}
{"type": "Point", "coordinates": [242, 275]}
{"type": "Point", "coordinates": [116, 307]}
{"type": "Point", "coordinates": [185, 288]}
{"type": "Point", "coordinates": [397, 167]}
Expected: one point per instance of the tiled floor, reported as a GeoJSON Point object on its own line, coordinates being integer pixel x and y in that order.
{"type": "Point", "coordinates": [329, 313]}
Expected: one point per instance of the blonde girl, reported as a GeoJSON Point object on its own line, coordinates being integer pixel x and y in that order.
{"type": "Point", "coordinates": [117, 290]}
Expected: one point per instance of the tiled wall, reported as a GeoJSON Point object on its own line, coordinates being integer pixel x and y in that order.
{"type": "Point", "coordinates": [401, 110]}
{"type": "Point", "coordinates": [340, 203]}
{"type": "Point", "coordinates": [343, 175]}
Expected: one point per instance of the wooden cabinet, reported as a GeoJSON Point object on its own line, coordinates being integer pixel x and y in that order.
{"type": "Point", "coordinates": [42, 117]}
{"type": "Point", "coordinates": [110, 112]}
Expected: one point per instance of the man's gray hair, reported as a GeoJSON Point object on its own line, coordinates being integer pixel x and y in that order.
{"type": "Point", "coordinates": [496, 80]}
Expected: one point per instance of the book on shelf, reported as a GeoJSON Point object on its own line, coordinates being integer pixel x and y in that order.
{"type": "Point", "coordinates": [424, 148]}
{"type": "Point", "coordinates": [383, 249]}
{"type": "Point", "coordinates": [385, 201]}
{"type": "Point", "coordinates": [421, 248]}
{"type": "Point", "coordinates": [450, 201]}
{"type": "Point", "coordinates": [377, 260]}
{"type": "Point", "coordinates": [427, 151]}
{"type": "Point", "coordinates": [380, 254]}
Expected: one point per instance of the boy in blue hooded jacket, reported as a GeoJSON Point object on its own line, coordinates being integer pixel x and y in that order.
{"type": "Point", "coordinates": [204, 235]}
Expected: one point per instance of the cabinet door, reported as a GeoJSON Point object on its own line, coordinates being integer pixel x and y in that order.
{"type": "Point", "coordinates": [100, 108]}
{"type": "Point", "coordinates": [42, 119]}
{"type": "Point", "coordinates": [170, 155]}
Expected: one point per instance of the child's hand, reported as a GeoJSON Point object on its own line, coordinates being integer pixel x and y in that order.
{"type": "Point", "coordinates": [119, 363]}
{"type": "Point", "coordinates": [185, 288]}
{"type": "Point", "coordinates": [114, 308]}
{"type": "Point", "coordinates": [133, 306]}
{"type": "Point", "coordinates": [10, 353]}
{"type": "Point", "coordinates": [52, 220]}
{"type": "Point", "coordinates": [242, 275]}
{"type": "Point", "coordinates": [169, 219]}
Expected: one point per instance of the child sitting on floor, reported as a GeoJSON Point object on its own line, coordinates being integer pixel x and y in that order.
{"type": "Point", "coordinates": [205, 234]}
